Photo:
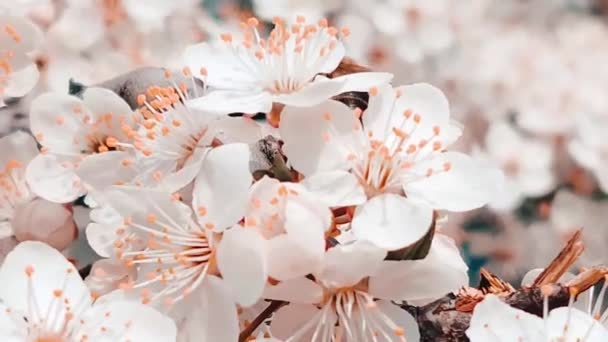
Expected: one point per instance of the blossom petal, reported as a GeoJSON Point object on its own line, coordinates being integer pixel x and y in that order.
{"type": "Point", "coordinates": [79, 19]}
{"type": "Point", "coordinates": [107, 105]}
{"type": "Point", "coordinates": [335, 188]}
{"type": "Point", "coordinates": [441, 272]}
{"type": "Point", "coordinates": [493, 320]}
{"type": "Point", "coordinates": [313, 143]}
{"type": "Point", "coordinates": [289, 258]}
{"type": "Point", "coordinates": [467, 184]}
{"type": "Point", "coordinates": [102, 170]}
{"type": "Point", "coordinates": [298, 290]}
{"type": "Point", "coordinates": [18, 146]}
{"type": "Point", "coordinates": [571, 324]}
{"type": "Point", "coordinates": [56, 121]}
{"type": "Point", "coordinates": [35, 271]}
{"type": "Point", "coordinates": [241, 260]}
{"type": "Point", "coordinates": [402, 319]}
{"type": "Point", "coordinates": [22, 81]}
{"type": "Point", "coordinates": [346, 265]}
{"type": "Point", "coordinates": [391, 221]}
{"type": "Point", "coordinates": [225, 71]}
{"type": "Point", "coordinates": [233, 101]}
{"type": "Point", "coordinates": [313, 93]}
{"type": "Point", "coordinates": [364, 81]}
{"type": "Point", "coordinates": [101, 238]}
{"type": "Point", "coordinates": [213, 315]}
{"type": "Point", "coordinates": [221, 188]}
{"type": "Point", "coordinates": [289, 319]}
{"type": "Point", "coordinates": [150, 208]}
{"type": "Point", "coordinates": [12, 327]}
{"type": "Point", "coordinates": [386, 110]}
{"type": "Point", "coordinates": [144, 323]}
{"type": "Point", "coordinates": [52, 181]}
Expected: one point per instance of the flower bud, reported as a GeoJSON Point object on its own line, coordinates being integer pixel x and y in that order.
{"type": "Point", "coordinates": [48, 222]}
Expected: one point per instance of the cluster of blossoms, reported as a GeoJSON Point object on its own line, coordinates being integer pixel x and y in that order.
{"type": "Point", "coordinates": [327, 218]}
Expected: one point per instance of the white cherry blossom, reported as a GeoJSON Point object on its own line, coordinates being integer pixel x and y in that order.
{"type": "Point", "coordinates": [393, 165]}
{"type": "Point", "coordinates": [526, 162]}
{"type": "Point", "coordinates": [350, 297]}
{"type": "Point", "coordinates": [44, 299]}
{"type": "Point", "coordinates": [287, 67]}
{"type": "Point", "coordinates": [494, 320]}
{"type": "Point", "coordinates": [80, 137]}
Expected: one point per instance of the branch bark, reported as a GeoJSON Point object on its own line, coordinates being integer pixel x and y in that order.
{"type": "Point", "coordinates": [263, 316]}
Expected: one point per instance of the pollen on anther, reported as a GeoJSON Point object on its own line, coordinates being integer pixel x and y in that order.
{"type": "Point", "coordinates": [29, 270]}
{"type": "Point", "coordinates": [151, 218]}
{"type": "Point", "coordinates": [226, 37]}
{"type": "Point", "coordinates": [399, 331]}
{"type": "Point", "coordinates": [417, 118]}
{"type": "Point", "coordinates": [253, 22]}
{"type": "Point", "coordinates": [447, 166]}
{"type": "Point", "coordinates": [373, 91]}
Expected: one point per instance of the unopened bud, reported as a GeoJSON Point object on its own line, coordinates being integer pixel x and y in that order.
{"type": "Point", "coordinates": [41, 220]}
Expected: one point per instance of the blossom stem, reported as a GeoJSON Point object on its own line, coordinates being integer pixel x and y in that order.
{"type": "Point", "coordinates": [264, 315]}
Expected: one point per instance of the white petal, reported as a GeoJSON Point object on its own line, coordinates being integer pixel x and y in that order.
{"type": "Point", "coordinates": [225, 70]}
{"type": "Point", "coordinates": [226, 101]}
{"type": "Point", "coordinates": [239, 129]}
{"type": "Point", "coordinates": [493, 320]}
{"type": "Point", "coordinates": [101, 101]}
{"type": "Point", "coordinates": [288, 258]}
{"type": "Point", "coordinates": [79, 19]}
{"type": "Point", "coordinates": [17, 146]}
{"type": "Point", "coordinates": [287, 320]}
{"type": "Point", "coordinates": [144, 323]}
{"type": "Point", "coordinates": [151, 208]}
{"type": "Point", "coordinates": [52, 181]}
{"type": "Point", "coordinates": [12, 327]}
{"type": "Point", "coordinates": [57, 126]}
{"type": "Point", "coordinates": [22, 81]}
{"type": "Point", "coordinates": [364, 81]}
{"type": "Point", "coordinates": [101, 238]}
{"type": "Point", "coordinates": [386, 111]}
{"type": "Point", "coordinates": [574, 325]}
{"type": "Point", "coordinates": [466, 185]}
{"type": "Point", "coordinates": [402, 319]}
{"type": "Point", "coordinates": [50, 271]}
{"type": "Point", "coordinates": [222, 186]}
{"type": "Point", "coordinates": [391, 221]}
{"type": "Point", "coordinates": [218, 316]}
{"type": "Point", "coordinates": [241, 260]}
{"type": "Point", "coordinates": [313, 93]}
{"type": "Point", "coordinates": [102, 170]}
{"type": "Point", "coordinates": [298, 290]}
{"type": "Point", "coordinates": [335, 188]}
{"type": "Point", "coordinates": [346, 265]}
{"type": "Point", "coordinates": [301, 250]}
{"type": "Point", "coordinates": [306, 131]}
{"type": "Point", "coordinates": [441, 272]}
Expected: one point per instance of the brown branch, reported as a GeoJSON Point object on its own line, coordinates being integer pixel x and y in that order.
{"type": "Point", "coordinates": [564, 260]}
{"type": "Point", "coordinates": [264, 315]}
{"type": "Point", "coordinates": [448, 318]}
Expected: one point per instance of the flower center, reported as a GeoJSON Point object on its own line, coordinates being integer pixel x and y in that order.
{"type": "Point", "coordinates": [290, 57]}
{"type": "Point", "coordinates": [177, 259]}
{"type": "Point", "coordinates": [351, 314]}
